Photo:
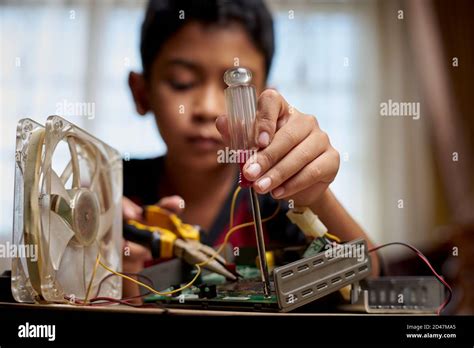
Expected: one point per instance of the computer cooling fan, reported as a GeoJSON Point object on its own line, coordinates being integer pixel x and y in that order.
{"type": "Point", "coordinates": [67, 219]}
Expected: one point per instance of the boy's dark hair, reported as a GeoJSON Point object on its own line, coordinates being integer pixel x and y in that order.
{"type": "Point", "coordinates": [163, 18]}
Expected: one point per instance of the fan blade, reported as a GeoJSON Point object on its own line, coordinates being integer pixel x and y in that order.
{"type": "Point", "coordinates": [66, 172]}
{"type": "Point", "coordinates": [57, 187]}
{"type": "Point", "coordinates": [109, 253]}
{"type": "Point", "coordinates": [106, 221]}
{"type": "Point", "coordinates": [95, 156]}
{"type": "Point", "coordinates": [60, 233]}
{"type": "Point", "coordinates": [76, 172]}
{"type": "Point", "coordinates": [70, 274]}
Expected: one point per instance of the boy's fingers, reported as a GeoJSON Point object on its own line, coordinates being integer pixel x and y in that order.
{"type": "Point", "coordinates": [301, 155]}
{"type": "Point", "coordinates": [136, 253]}
{"type": "Point", "coordinates": [270, 107]}
{"type": "Point", "coordinates": [304, 198]}
{"type": "Point", "coordinates": [130, 210]}
{"type": "Point", "coordinates": [284, 141]}
{"type": "Point", "coordinates": [175, 204]}
{"type": "Point", "coordinates": [222, 125]}
{"type": "Point", "coordinates": [320, 171]}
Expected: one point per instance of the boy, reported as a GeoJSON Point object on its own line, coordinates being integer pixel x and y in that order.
{"type": "Point", "coordinates": [186, 47]}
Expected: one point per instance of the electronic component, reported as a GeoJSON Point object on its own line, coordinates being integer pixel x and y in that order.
{"type": "Point", "coordinates": [70, 218]}
{"type": "Point", "coordinates": [295, 284]}
{"type": "Point", "coordinates": [308, 279]}
{"type": "Point", "coordinates": [398, 295]}
{"type": "Point", "coordinates": [316, 246]}
{"type": "Point", "coordinates": [215, 293]}
{"type": "Point", "coordinates": [428, 264]}
{"type": "Point", "coordinates": [207, 291]}
{"type": "Point", "coordinates": [307, 221]}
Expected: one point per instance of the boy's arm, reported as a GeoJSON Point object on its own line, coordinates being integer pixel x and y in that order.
{"type": "Point", "coordinates": [339, 222]}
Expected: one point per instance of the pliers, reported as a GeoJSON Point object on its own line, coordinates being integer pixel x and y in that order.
{"type": "Point", "coordinates": [167, 236]}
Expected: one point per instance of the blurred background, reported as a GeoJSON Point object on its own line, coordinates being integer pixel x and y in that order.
{"type": "Point", "coordinates": [403, 178]}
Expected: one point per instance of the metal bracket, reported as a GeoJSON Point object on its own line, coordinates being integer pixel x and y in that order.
{"type": "Point", "coordinates": [309, 279]}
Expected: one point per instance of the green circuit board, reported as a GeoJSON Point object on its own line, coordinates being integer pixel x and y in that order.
{"type": "Point", "coordinates": [213, 292]}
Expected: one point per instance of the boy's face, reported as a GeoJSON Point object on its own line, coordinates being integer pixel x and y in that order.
{"type": "Point", "coordinates": [185, 90]}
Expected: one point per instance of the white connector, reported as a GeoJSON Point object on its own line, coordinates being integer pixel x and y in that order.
{"type": "Point", "coordinates": [307, 221]}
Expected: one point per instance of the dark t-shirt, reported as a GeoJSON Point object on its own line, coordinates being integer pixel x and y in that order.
{"type": "Point", "coordinates": [141, 185]}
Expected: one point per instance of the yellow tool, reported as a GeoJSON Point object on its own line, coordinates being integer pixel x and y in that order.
{"type": "Point", "coordinates": [167, 236]}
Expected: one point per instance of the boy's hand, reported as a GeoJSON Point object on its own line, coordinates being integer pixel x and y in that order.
{"type": "Point", "coordinates": [138, 254]}
{"type": "Point", "coordinates": [135, 255]}
{"type": "Point", "coordinates": [295, 158]}
{"type": "Point", "coordinates": [132, 211]}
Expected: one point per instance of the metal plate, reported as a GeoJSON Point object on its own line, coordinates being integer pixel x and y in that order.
{"type": "Point", "coordinates": [309, 279]}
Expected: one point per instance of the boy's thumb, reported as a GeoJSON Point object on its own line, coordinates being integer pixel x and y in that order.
{"type": "Point", "coordinates": [175, 204]}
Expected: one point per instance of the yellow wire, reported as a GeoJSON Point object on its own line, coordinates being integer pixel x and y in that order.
{"type": "Point", "coordinates": [97, 260]}
{"type": "Point", "coordinates": [232, 208]}
{"type": "Point", "coordinates": [164, 293]}
{"type": "Point", "coordinates": [198, 265]}
{"type": "Point", "coordinates": [232, 230]}
{"type": "Point", "coordinates": [336, 238]}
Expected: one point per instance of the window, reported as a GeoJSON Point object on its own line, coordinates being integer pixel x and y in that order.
{"type": "Point", "coordinates": [76, 51]}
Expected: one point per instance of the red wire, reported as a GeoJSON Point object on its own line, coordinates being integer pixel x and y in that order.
{"type": "Point", "coordinates": [125, 301]}
{"type": "Point", "coordinates": [104, 301]}
{"type": "Point", "coordinates": [110, 300]}
{"type": "Point", "coordinates": [138, 275]}
{"type": "Point", "coordinates": [425, 260]}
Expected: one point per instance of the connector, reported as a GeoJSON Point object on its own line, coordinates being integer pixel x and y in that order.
{"type": "Point", "coordinates": [307, 221]}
